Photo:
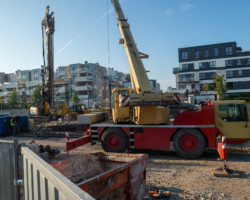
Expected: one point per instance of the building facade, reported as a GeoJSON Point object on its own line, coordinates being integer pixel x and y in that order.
{"type": "Point", "coordinates": [155, 86]}
{"type": "Point", "coordinates": [91, 82]}
{"type": "Point", "coordinates": [199, 64]}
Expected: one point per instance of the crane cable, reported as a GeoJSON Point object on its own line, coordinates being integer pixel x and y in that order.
{"type": "Point", "coordinates": [108, 33]}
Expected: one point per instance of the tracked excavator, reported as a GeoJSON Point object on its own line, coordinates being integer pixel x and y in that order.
{"type": "Point", "coordinates": [138, 104]}
{"type": "Point", "coordinates": [45, 108]}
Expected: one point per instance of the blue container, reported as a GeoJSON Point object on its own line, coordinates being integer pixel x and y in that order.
{"type": "Point", "coordinates": [23, 123]}
{"type": "Point", "coordinates": [4, 121]}
{"type": "Point", "coordinates": [23, 118]}
{"type": "Point", "coordinates": [4, 114]}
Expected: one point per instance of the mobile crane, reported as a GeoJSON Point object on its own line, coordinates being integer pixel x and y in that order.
{"type": "Point", "coordinates": [46, 107]}
{"type": "Point", "coordinates": [191, 131]}
{"type": "Point", "coordinates": [145, 106]}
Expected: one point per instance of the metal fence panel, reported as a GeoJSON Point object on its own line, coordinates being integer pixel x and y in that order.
{"type": "Point", "coordinates": [41, 181]}
{"type": "Point", "coordinates": [8, 170]}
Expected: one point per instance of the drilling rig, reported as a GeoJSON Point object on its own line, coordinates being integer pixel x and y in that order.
{"type": "Point", "coordinates": [46, 106]}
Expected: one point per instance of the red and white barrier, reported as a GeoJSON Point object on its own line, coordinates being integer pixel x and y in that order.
{"type": "Point", "coordinates": [176, 98]}
{"type": "Point", "coordinates": [221, 147]}
{"type": "Point", "coordinates": [124, 100]}
{"type": "Point", "coordinates": [67, 136]}
{"type": "Point", "coordinates": [224, 142]}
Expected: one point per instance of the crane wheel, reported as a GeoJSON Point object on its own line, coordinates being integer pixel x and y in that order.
{"type": "Point", "coordinates": [189, 143]}
{"type": "Point", "coordinates": [114, 140]}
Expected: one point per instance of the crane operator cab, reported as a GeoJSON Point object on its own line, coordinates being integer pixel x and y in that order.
{"type": "Point", "coordinates": [120, 113]}
{"type": "Point", "coordinates": [233, 117]}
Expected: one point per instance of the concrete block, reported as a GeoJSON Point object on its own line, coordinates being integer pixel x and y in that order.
{"type": "Point", "coordinates": [92, 118]}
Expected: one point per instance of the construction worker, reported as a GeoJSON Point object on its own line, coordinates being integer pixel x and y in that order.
{"type": "Point", "coordinates": [13, 124]}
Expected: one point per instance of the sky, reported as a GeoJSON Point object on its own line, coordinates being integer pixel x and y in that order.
{"type": "Point", "coordinates": [159, 28]}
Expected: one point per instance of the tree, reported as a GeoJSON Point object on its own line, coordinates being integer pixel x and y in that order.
{"type": "Point", "coordinates": [13, 99]}
{"type": "Point", "coordinates": [36, 96]}
{"type": "Point", "coordinates": [205, 88]}
{"type": "Point", "coordinates": [74, 98]}
{"type": "Point", "coordinates": [1, 103]}
{"type": "Point", "coordinates": [23, 82]}
{"type": "Point", "coordinates": [220, 86]}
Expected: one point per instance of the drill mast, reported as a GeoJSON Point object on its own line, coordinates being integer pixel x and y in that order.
{"type": "Point", "coordinates": [48, 24]}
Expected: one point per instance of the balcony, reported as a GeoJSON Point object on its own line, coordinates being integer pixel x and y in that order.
{"type": "Point", "coordinates": [83, 71]}
{"type": "Point", "coordinates": [83, 88]}
{"type": "Point", "coordinates": [10, 85]}
{"type": "Point", "coordinates": [60, 98]}
{"type": "Point", "coordinates": [83, 78]}
{"type": "Point", "coordinates": [82, 97]}
{"type": "Point", "coordinates": [33, 83]}
{"type": "Point", "coordinates": [176, 70]}
{"type": "Point", "coordinates": [187, 80]}
{"type": "Point", "coordinates": [60, 89]}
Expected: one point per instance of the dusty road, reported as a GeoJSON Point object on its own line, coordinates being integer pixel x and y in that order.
{"type": "Point", "coordinates": [185, 179]}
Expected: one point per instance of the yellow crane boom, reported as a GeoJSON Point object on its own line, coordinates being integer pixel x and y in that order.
{"type": "Point", "coordinates": [145, 106]}
{"type": "Point", "coordinates": [139, 78]}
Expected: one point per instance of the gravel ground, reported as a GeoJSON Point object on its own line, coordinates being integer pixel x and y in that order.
{"type": "Point", "coordinates": [185, 179]}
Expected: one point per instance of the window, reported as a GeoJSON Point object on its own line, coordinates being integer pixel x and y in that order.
{"type": "Point", "coordinates": [35, 72]}
{"type": "Point", "coordinates": [240, 85]}
{"type": "Point", "coordinates": [202, 65]}
{"type": "Point", "coordinates": [182, 87]}
{"type": "Point", "coordinates": [184, 55]}
{"type": "Point", "coordinates": [230, 85]}
{"type": "Point", "coordinates": [248, 61]}
{"type": "Point", "coordinates": [229, 63]}
{"type": "Point", "coordinates": [23, 75]}
{"type": "Point", "coordinates": [202, 76]}
{"type": "Point", "coordinates": [239, 72]}
{"type": "Point", "coordinates": [74, 70]}
{"type": "Point", "coordinates": [229, 74]}
{"type": "Point", "coordinates": [238, 62]}
{"type": "Point", "coordinates": [211, 74]}
{"type": "Point", "coordinates": [212, 64]}
{"type": "Point", "coordinates": [184, 67]}
{"type": "Point", "coordinates": [82, 68]}
{"type": "Point", "coordinates": [61, 71]}
{"type": "Point", "coordinates": [233, 113]}
{"type": "Point", "coordinates": [216, 52]}
{"type": "Point", "coordinates": [229, 51]}
{"type": "Point", "coordinates": [193, 86]}
{"type": "Point", "coordinates": [197, 53]}
{"type": "Point", "coordinates": [206, 53]}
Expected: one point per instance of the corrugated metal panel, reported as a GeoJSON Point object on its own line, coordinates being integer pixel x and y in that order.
{"type": "Point", "coordinates": [8, 170]}
{"type": "Point", "coordinates": [41, 181]}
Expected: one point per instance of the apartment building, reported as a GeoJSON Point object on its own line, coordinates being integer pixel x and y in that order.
{"type": "Point", "coordinates": [91, 82]}
{"type": "Point", "coordinates": [199, 64]}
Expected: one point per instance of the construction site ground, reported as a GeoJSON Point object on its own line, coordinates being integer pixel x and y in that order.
{"type": "Point", "coordinates": [185, 179]}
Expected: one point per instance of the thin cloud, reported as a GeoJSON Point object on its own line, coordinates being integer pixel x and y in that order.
{"type": "Point", "coordinates": [186, 6]}
{"type": "Point", "coordinates": [169, 12]}
{"type": "Point", "coordinates": [68, 43]}
{"type": "Point", "coordinates": [246, 12]}
{"type": "Point", "coordinates": [94, 23]}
